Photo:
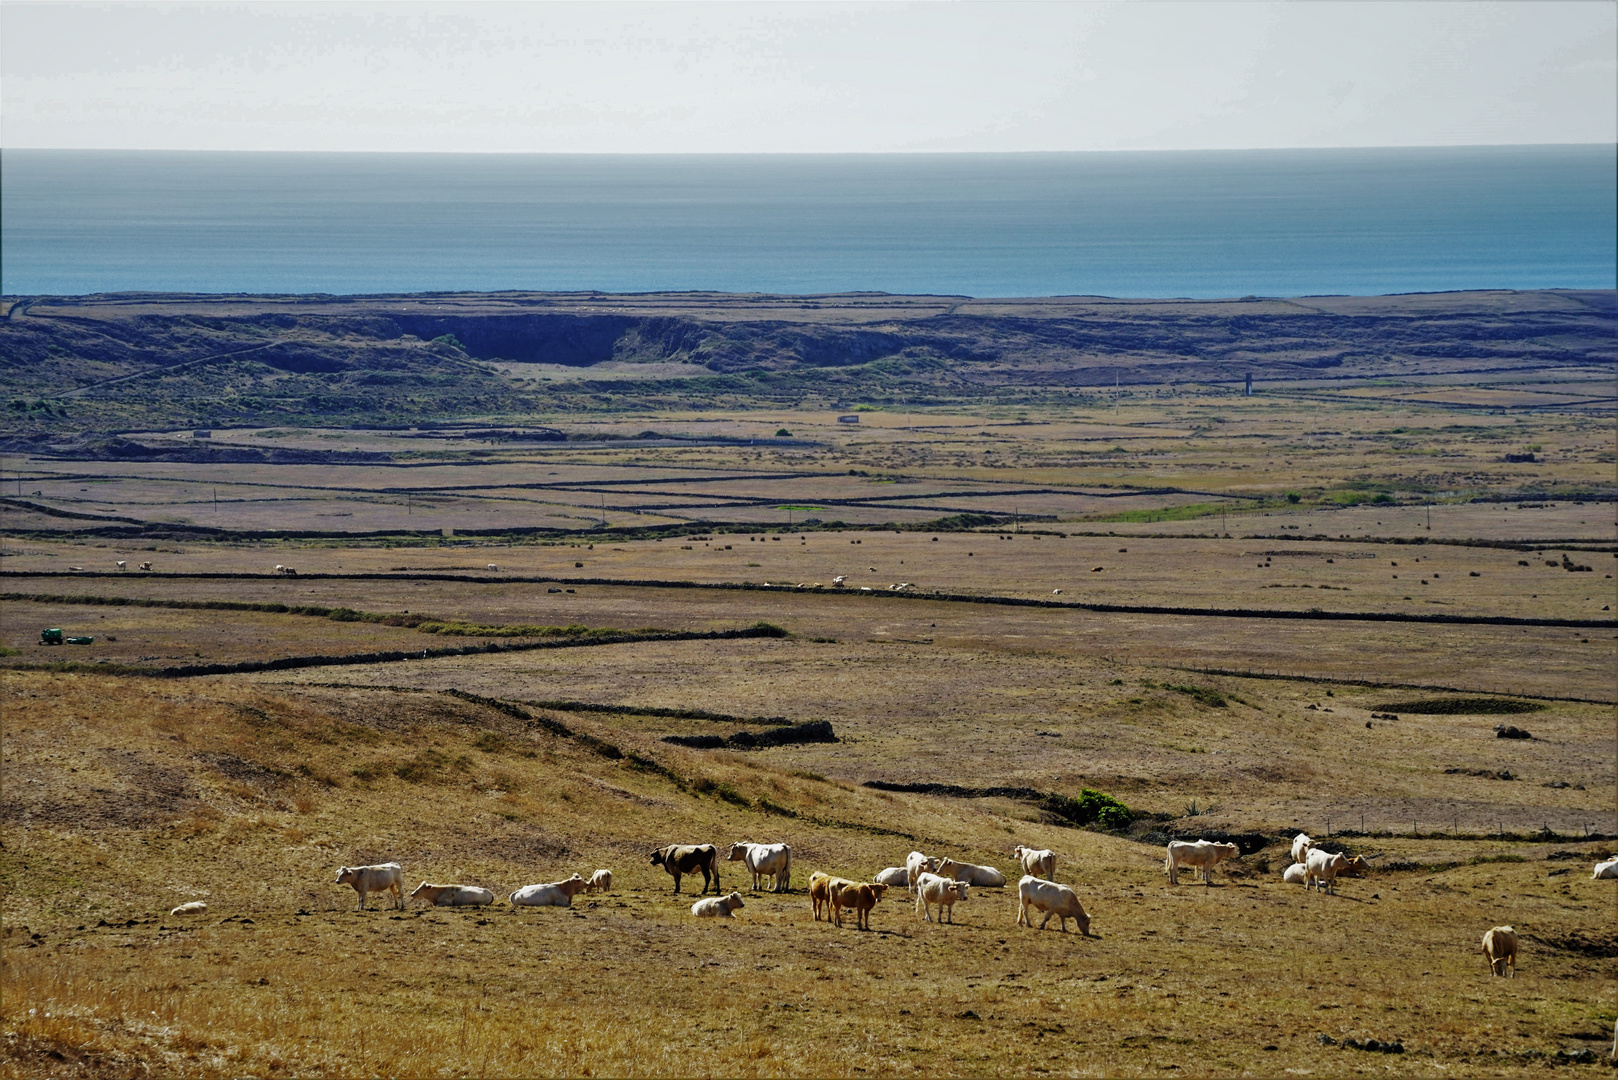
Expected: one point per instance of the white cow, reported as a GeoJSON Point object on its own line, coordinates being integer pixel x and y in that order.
{"type": "Point", "coordinates": [600, 881]}
{"type": "Point", "coordinates": [837, 582]}
{"type": "Point", "coordinates": [1606, 870]}
{"type": "Point", "coordinates": [556, 894]}
{"type": "Point", "coordinates": [1301, 846]}
{"type": "Point", "coordinates": [1294, 874]}
{"type": "Point", "coordinates": [933, 889]}
{"type": "Point", "coordinates": [717, 907]}
{"type": "Point", "coordinates": [971, 873]}
{"type": "Point", "coordinates": [1320, 870]}
{"type": "Point", "coordinates": [1201, 855]}
{"type": "Point", "coordinates": [1500, 950]}
{"type": "Point", "coordinates": [765, 860]}
{"type": "Point", "coordinates": [1040, 862]}
{"type": "Point", "coordinates": [896, 877]}
{"type": "Point", "coordinates": [381, 878]}
{"type": "Point", "coordinates": [453, 895]}
{"type": "Point", "coordinates": [1052, 899]}
{"type": "Point", "coordinates": [493, 567]}
{"type": "Point", "coordinates": [915, 864]}
{"type": "Point", "coordinates": [195, 907]}
{"type": "Point", "coordinates": [122, 565]}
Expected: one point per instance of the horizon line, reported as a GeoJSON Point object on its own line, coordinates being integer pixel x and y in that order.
{"type": "Point", "coordinates": [793, 153]}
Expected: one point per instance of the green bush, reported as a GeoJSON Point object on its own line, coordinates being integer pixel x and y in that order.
{"type": "Point", "coordinates": [1090, 808]}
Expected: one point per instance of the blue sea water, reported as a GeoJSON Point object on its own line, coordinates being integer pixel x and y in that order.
{"type": "Point", "coordinates": [1195, 224]}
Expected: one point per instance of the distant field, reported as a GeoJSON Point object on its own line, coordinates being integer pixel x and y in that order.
{"type": "Point", "coordinates": [1119, 574]}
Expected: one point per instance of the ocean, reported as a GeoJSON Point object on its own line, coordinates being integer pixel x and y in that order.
{"type": "Point", "coordinates": [1184, 224]}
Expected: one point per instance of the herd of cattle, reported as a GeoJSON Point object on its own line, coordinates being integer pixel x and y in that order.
{"type": "Point", "coordinates": [939, 883]}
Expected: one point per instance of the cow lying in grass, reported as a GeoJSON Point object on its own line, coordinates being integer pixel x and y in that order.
{"type": "Point", "coordinates": [717, 907]}
{"type": "Point", "coordinates": [555, 894]}
{"type": "Point", "coordinates": [453, 895]}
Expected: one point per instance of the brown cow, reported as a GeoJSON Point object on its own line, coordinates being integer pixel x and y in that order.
{"type": "Point", "coordinates": [861, 897]}
{"type": "Point", "coordinates": [680, 859]}
{"type": "Point", "coordinates": [820, 887]}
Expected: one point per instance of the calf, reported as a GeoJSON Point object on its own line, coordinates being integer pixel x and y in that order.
{"type": "Point", "coordinates": [381, 878]}
{"type": "Point", "coordinates": [1040, 862]}
{"type": "Point", "coordinates": [765, 860]}
{"type": "Point", "coordinates": [600, 881]}
{"type": "Point", "coordinates": [1500, 950]}
{"type": "Point", "coordinates": [1202, 855]}
{"type": "Point", "coordinates": [717, 907]}
{"type": "Point", "coordinates": [971, 873]}
{"type": "Point", "coordinates": [1321, 869]}
{"type": "Point", "coordinates": [861, 897]}
{"type": "Point", "coordinates": [1052, 899]}
{"type": "Point", "coordinates": [680, 859]}
{"type": "Point", "coordinates": [932, 889]}
{"type": "Point", "coordinates": [556, 894]}
{"type": "Point", "coordinates": [453, 895]}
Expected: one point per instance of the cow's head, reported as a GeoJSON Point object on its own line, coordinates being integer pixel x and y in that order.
{"type": "Point", "coordinates": [1226, 851]}
{"type": "Point", "coordinates": [346, 875]}
{"type": "Point", "coordinates": [657, 857]}
{"type": "Point", "coordinates": [959, 889]}
{"type": "Point", "coordinates": [738, 851]}
{"type": "Point", "coordinates": [573, 885]}
{"type": "Point", "coordinates": [417, 891]}
{"type": "Point", "coordinates": [734, 901]}
{"type": "Point", "coordinates": [1082, 919]}
{"type": "Point", "coordinates": [946, 867]}
{"type": "Point", "coordinates": [876, 891]}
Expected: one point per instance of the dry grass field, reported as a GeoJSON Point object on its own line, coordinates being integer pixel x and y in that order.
{"type": "Point", "coordinates": [124, 794]}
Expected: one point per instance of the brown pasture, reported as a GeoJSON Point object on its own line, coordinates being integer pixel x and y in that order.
{"type": "Point", "coordinates": [127, 797]}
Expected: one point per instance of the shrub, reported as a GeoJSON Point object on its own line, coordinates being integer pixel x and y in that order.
{"type": "Point", "coordinates": [1090, 808]}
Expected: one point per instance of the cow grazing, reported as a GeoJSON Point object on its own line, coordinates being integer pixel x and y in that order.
{"type": "Point", "coordinates": [122, 565]}
{"type": "Point", "coordinates": [971, 873]}
{"type": "Point", "coordinates": [915, 865]}
{"type": "Point", "coordinates": [1500, 950]}
{"type": "Point", "coordinates": [717, 907]}
{"type": "Point", "coordinates": [680, 859]}
{"type": "Point", "coordinates": [1294, 874]}
{"type": "Point", "coordinates": [453, 895]}
{"type": "Point", "coordinates": [933, 889]}
{"type": "Point", "coordinates": [1301, 845]}
{"type": "Point", "coordinates": [195, 907]}
{"type": "Point", "coordinates": [1040, 862]}
{"type": "Point", "coordinates": [820, 890]}
{"type": "Point", "coordinates": [1052, 899]}
{"type": "Point", "coordinates": [773, 861]}
{"type": "Point", "coordinates": [493, 567]}
{"type": "Point", "coordinates": [556, 894]}
{"type": "Point", "coordinates": [1355, 866]}
{"type": "Point", "coordinates": [600, 881]}
{"type": "Point", "coordinates": [1605, 870]}
{"type": "Point", "coordinates": [1321, 869]}
{"type": "Point", "coordinates": [894, 877]}
{"type": "Point", "coordinates": [381, 878]}
{"type": "Point", "coordinates": [861, 897]}
{"type": "Point", "coordinates": [1200, 855]}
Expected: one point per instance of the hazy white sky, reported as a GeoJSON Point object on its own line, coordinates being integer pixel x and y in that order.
{"type": "Point", "coordinates": [804, 77]}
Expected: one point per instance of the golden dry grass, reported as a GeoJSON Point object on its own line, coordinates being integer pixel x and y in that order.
{"type": "Point", "coordinates": [125, 797]}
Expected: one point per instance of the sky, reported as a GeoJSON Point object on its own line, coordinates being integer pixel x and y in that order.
{"type": "Point", "coordinates": [805, 77]}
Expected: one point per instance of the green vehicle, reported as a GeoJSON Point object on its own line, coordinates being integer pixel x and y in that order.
{"type": "Point", "coordinates": [53, 636]}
